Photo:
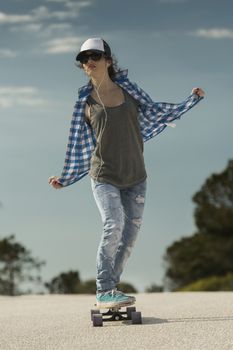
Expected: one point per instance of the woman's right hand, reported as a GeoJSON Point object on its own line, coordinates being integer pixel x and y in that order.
{"type": "Point", "coordinates": [54, 181]}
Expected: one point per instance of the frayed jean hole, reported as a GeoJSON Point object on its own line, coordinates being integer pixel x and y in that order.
{"type": "Point", "coordinates": [113, 195]}
{"type": "Point", "coordinates": [137, 222]}
{"type": "Point", "coordinates": [140, 199]}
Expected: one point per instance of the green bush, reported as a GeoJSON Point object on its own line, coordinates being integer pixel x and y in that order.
{"type": "Point", "coordinates": [87, 287]}
{"type": "Point", "coordinates": [211, 284]}
{"type": "Point", "coordinates": [154, 288]}
{"type": "Point", "coordinates": [126, 287]}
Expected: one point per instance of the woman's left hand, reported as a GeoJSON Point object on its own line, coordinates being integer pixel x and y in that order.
{"type": "Point", "coordinates": [198, 91]}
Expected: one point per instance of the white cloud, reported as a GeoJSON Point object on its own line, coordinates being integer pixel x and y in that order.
{"type": "Point", "coordinates": [43, 13]}
{"type": "Point", "coordinates": [56, 28]}
{"type": "Point", "coordinates": [29, 90]}
{"type": "Point", "coordinates": [63, 45]}
{"type": "Point", "coordinates": [214, 33]}
{"type": "Point", "coordinates": [172, 1]}
{"type": "Point", "coordinates": [9, 19]}
{"type": "Point", "coordinates": [44, 23]}
{"type": "Point", "coordinates": [31, 27]}
{"type": "Point", "coordinates": [43, 31]}
{"type": "Point", "coordinates": [73, 4]}
{"type": "Point", "coordinates": [57, 1]}
{"type": "Point", "coordinates": [20, 96]}
{"type": "Point", "coordinates": [59, 26]}
{"type": "Point", "coordinates": [7, 53]}
{"type": "Point", "coordinates": [71, 10]}
{"type": "Point", "coordinates": [76, 6]}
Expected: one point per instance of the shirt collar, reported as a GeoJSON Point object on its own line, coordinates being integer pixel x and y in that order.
{"type": "Point", "coordinates": [85, 90]}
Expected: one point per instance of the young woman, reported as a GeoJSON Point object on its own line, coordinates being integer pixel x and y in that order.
{"type": "Point", "coordinates": [111, 120]}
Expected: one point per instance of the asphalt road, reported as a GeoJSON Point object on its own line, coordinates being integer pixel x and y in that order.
{"type": "Point", "coordinates": [171, 321]}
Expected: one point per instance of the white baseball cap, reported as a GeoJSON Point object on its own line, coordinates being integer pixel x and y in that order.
{"type": "Point", "coordinates": [94, 44]}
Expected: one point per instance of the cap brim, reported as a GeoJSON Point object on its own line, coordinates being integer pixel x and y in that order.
{"type": "Point", "coordinates": [83, 53]}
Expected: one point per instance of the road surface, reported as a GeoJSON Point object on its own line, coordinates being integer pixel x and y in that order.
{"type": "Point", "coordinates": [171, 321]}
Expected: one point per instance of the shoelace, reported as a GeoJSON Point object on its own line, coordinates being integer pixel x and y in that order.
{"type": "Point", "coordinates": [116, 292]}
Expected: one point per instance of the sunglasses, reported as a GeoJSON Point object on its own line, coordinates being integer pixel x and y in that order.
{"type": "Point", "coordinates": [94, 56]}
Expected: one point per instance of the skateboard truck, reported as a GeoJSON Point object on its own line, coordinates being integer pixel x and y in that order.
{"type": "Point", "coordinates": [115, 314]}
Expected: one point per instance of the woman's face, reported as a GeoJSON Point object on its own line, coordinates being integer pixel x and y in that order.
{"type": "Point", "coordinates": [95, 68]}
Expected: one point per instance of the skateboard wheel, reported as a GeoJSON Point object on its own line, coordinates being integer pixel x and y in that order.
{"type": "Point", "coordinates": [97, 320]}
{"type": "Point", "coordinates": [129, 311]}
{"type": "Point", "coordinates": [136, 317]}
{"type": "Point", "coordinates": [117, 318]}
{"type": "Point", "coordinates": [94, 312]}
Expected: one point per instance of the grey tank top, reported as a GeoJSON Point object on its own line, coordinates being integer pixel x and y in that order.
{"type": "Point", "coordinates": [118, 156]}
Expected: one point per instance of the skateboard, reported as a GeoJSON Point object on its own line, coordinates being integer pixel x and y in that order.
{"type": "Point", "coordinates": [115, 314]}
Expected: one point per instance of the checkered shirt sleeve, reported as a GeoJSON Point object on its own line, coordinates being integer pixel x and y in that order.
{"type": "Point", "coordinates": [154, 117]}
{"type": "Point", "coordinates": [81, 144]}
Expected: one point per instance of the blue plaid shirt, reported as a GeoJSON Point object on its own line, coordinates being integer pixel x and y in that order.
{"type": "Point", "coordinates": [153, 118]}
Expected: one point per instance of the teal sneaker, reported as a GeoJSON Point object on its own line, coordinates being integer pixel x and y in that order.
{"type": "Point", "coordinates": [113, 298]}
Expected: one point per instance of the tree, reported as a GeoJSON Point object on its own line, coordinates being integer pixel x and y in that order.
{"type": "Point", "coordinates": [209, 251]}
{"type": "Point", "coordinates": [154, 288]}
{"type": "Point", "coordinates": [126, 287]}
{"type": "Point", "coordinates": [65, 283]}
{"type": "Point", "coordinates": [214, 204]}
{"type": "Point", "coordinates": [70, 283]}
{"type": "Point", "coordinates": [88, 287]}
{"type": "Point", "coordinates": [211, 284]}
{"type": "Point", "coordinates": [196, 257]}
{"type": "Point", "coordinates": [16, 265]}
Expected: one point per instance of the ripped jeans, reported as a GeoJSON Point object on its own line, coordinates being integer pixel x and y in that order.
{"type": "Point", "coordinates": [121, 211]}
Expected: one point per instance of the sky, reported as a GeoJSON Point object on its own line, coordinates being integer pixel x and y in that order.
{"type": "Point", "coordinates": [169, 47]}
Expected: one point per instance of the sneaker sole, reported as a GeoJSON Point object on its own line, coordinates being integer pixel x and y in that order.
{"type": "Point", "coordinates": [111, 305]}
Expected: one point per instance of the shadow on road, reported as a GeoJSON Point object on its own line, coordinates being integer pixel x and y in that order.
{"type": "Point", "coordinates": [154, 320]}
{"type": "Point", "coordinates": [148, 320]}
{"type": "Point", "coordinates": [200, 319]}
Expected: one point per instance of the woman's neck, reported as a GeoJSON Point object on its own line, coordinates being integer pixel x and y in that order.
{"type": "Point", "coordinates": [102, 84]}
